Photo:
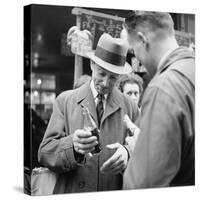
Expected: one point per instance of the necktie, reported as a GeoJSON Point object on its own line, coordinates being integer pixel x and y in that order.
{"type": "Point", "coordinates": [99, 107]}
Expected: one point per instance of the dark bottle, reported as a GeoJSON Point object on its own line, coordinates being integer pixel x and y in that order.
{"type": "Point", "coordinates": [90, 125]}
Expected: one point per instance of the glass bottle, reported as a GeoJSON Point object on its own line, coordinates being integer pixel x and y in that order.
{"type": "Point", "coordinates": [90, 125]}
{"type": "Point", "coordinates": [132, 128]}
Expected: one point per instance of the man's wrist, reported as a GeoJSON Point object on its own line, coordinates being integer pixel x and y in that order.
{"type": "Point", "coordinates": [80, 158]}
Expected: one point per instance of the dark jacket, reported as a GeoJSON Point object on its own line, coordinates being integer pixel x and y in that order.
{"type": "Point", "coordinates": [56, 150]}
{"type": "Point", "coordinates": [164, 154]}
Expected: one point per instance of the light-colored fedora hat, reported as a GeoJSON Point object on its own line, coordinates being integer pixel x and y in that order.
{"type": "Point", "coordinates": [110, 54]}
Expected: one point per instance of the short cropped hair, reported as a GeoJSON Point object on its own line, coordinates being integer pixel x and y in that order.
{"type": "Point", "coordinates": [150, 20]}
{"type": "Point", "coordinates": [132, 79]}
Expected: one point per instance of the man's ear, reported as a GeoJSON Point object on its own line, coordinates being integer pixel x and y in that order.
{"type": "Point", "coordinates": [143, 38]}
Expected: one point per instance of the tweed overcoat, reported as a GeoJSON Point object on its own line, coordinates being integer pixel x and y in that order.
{"type": "Point", "coordinates": [56, 150]}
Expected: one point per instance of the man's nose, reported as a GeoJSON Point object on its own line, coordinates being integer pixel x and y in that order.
{"type": "Point", "coordinates": [133, 96]}
{"type": "Point", "coordinates": [106, 81]}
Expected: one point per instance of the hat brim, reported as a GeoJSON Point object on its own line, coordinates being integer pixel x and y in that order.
{"type": "Point", "coordinates": [126, 69]}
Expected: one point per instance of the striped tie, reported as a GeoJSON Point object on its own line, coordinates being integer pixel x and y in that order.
{"type": "Point", "coordinates": [99, 107]}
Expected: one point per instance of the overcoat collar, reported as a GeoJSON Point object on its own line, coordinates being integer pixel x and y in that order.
{"type": "Point", "coordinates": [177, 54]}
{"type": "Point", "coordinates": [113, 103]}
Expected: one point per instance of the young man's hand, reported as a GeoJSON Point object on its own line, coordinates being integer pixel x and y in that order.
{"type": "Point", "coordinates": [117, 162]}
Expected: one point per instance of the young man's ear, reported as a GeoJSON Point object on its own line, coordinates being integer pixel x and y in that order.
{"type": "Point", "coordinates": [143, 39]}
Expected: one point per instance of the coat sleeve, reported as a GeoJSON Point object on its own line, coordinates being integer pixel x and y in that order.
{"type": "Point", "coordinates": [157, 154]}
{"type": "Point", "coordinates": [134, 116]}
{"type": "Point", "coordinates": [56, 150]}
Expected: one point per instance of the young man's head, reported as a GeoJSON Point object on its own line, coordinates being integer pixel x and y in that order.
{"type": "Point", "coordinates": [150, 35]}
{"type": "Point", "coordinates": [108, 61]}
{"type": "Point", "coordinates": [131, 85]}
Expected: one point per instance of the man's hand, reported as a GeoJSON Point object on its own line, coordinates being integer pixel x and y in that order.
{"type": "Point", "coordinates": [117, 162]}
{"type": "Point", "coordinates": [131, 140]}
{"type": "Point", "coordinates": [83, 141]}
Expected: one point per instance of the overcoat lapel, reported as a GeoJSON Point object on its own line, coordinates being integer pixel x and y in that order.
{"type": "Point", "coordinates": [85, 99]}
{"type": "Point", "coordinates": [114, 102]}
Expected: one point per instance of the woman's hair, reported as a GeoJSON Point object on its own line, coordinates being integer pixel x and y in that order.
{"type": "Point", "coordinates": [132, 79]}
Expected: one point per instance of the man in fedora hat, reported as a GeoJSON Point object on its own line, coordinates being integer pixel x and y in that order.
{"type": "Point", "coordinates": [66, 147]}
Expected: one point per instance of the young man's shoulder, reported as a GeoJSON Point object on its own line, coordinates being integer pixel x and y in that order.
{"type": "Point", "coordinates": [168, 81]}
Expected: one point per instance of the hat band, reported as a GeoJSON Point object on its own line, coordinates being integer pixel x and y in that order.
{"type": "Point", "coordinates": [110, 57]}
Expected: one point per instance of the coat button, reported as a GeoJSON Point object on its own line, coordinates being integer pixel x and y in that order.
{"type": "Point", "coordinates": [66, 167]}
{"type": "Point", "coordinates": [81, 184]}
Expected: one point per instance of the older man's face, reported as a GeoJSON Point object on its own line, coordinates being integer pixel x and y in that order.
{"type": "Point", "coordinates": [104, 81]}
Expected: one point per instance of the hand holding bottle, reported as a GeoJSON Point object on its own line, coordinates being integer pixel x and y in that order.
{"type": "Point", "coordinates": [133, 132]}
{"type": "Point", "coordinates": [132, 128]}
{"type": "Point", "coordinates": [84, 142]}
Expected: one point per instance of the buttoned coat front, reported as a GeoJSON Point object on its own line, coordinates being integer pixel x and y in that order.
{"type": "Point", "coordinates": [56, 150]}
